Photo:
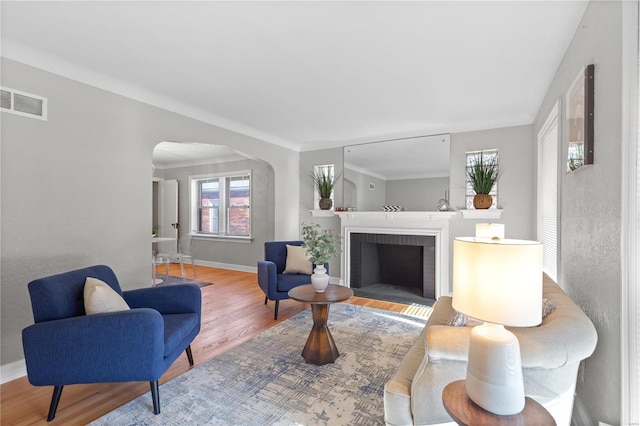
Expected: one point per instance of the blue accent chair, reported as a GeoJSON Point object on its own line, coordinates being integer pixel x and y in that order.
{"type": "Point", "coordinates": [271, 280]}
{"type": "Point", "coordinates": [65, 346]}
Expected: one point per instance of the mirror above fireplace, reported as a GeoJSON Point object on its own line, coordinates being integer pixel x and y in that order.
{"type": "Point", "coordinates": [412, 173]}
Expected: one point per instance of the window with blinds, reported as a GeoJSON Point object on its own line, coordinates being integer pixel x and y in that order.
{"type": "Point", "coordinates": [548, 194]}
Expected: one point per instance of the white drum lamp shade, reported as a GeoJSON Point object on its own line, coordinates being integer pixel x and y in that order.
{"type": "Point", "coordinates": [489, 230]}
{"type": "Point", "coordinates": [499, 282]}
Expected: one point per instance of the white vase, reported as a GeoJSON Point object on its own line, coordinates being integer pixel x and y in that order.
{"type": "Point", "coordinates": [320, 279]}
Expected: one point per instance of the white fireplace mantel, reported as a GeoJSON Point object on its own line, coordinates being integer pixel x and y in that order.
{"type": "Point", "coordinates": [403, 217]}
{"type": "Point", "coordinates": [430, 223]}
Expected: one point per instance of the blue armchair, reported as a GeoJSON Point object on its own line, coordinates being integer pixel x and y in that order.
{"type": "Point", "coordinates": [65, 346]}
{"type": "Point", "coordinates": [271, 280]}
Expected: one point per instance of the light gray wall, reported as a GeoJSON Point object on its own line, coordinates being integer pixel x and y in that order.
{"type": "Point", "coordinates": [591, 204]}
{"type": "Point", "coordinates": [367, 199]}
{"type": "Point", "coordinates": [516, 184]}
{"type": "Point", "coordinates": [262, 207]}
{"type": "Point", "coordinates": [76, 189]}
{"type": "Point", "coordinates": [416, 194]}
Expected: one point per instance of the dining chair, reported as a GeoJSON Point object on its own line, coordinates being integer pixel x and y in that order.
{"type": "Point", "coordinates": [183, 254]}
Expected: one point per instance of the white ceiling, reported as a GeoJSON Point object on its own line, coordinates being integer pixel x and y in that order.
{"type": "Point", "coordinates": [308, 75]}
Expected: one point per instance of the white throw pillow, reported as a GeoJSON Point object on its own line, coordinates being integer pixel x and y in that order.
{"type": "Point", "coordinates": [100, 298]}
{"type": "Point", "coordinates": [297, 262]}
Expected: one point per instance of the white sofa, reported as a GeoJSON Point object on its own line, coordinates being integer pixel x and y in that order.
{"type": "Point", "coordinates": [551, 354]}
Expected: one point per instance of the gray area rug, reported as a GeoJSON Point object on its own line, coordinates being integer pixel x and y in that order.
{"type": "Point", "coordinates": [265, 381]}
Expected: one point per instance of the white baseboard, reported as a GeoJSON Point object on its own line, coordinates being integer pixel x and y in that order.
{"type": "Point", "coordinates": [13, 371]}
{"type": "Point", "coordinates": [244, 268]}
{"type": "Point", "coordinates": [230, 266]}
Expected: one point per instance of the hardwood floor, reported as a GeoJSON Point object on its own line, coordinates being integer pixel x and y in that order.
{"type": "Point", "coordinates": [233, 311]}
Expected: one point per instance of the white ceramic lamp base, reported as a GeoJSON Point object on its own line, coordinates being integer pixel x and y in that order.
{"type": "Point", "coordinates": [494, 373]}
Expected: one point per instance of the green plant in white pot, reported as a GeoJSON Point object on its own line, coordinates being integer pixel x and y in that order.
{"type": "Point", "coordinates": [322, 245]}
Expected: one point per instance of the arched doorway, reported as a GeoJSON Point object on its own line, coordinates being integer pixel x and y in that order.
{"type": "Point", "coordinates": [238, 227]}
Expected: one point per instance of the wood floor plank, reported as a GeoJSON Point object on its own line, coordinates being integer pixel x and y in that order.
{"type": "Point", "coordinates": [233, 312]}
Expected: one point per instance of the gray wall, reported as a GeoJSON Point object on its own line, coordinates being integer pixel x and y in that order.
{"type": "Point", "coordinates": [76, 189]}
{"type": "Point", "coordinates": [412, 194]}
{"type": "Point", "coordinates": [416, 194]}
{"type": "Point", "coordinates": [262, 207]}
{"type": "Point", "coordinates": [516, 184]}
{"type": "Point", "coordinates": [591, 205]}
{"type": "Point", "coordinates": [367, 199]}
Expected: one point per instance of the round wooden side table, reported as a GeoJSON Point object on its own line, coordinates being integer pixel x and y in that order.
{"type": "Point", "coordinates": [320, 348]}
{"type": "Point", "coordinates": [467, 413]}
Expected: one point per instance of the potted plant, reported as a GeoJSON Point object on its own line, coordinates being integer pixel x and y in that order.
{"type": "Point", "coordinates": [324, 185]}
{"type": "Point", "coordinates": [321, 245]}
{"type": "Point", "coordinates": [483, 174]}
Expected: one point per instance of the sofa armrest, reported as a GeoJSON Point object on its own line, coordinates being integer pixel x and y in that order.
{"type": "Point", "coordinates": [110, 347]}
{"type": "Point", "coordinates": [537, 348]}
{"type": "Point", "coordinates": [446, 342]}
{"type": "Point", "coordinates": [169, 299]}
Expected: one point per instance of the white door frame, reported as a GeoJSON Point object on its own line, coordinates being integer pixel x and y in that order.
{"type": "Point", "coordinates": [630, 223]}
{"type": "Point", "coordinates": [168, 214]}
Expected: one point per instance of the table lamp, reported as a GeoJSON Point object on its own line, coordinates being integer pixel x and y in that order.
{"type": "Point", "coordinates": [498, 281]}
{"type": "Point", "coordinates": [489, 230]}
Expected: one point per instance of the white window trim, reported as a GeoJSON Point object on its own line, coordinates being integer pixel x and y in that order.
{"type": "Point", "coordinates": [630, 223]}
{"type": "Point", "coordinates": [194, 205]}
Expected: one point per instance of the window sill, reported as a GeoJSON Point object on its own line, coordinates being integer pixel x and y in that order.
{"type": "Point", "coordinates": [225, 238]}
{"type": "Point", "coordinates": [322, 213]}
{"type": "Point", "coordinates": [482, 214]}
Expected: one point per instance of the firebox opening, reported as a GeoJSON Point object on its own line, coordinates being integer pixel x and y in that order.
{"type": "Point", "coordinates": [391, 263]}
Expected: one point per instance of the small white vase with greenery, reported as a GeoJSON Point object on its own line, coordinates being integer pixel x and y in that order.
{"type": "Point", "coordinates": [322, 245]}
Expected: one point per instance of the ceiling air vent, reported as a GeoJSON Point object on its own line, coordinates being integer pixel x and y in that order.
{"type": "Point", "coordinates": [21, 103]}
